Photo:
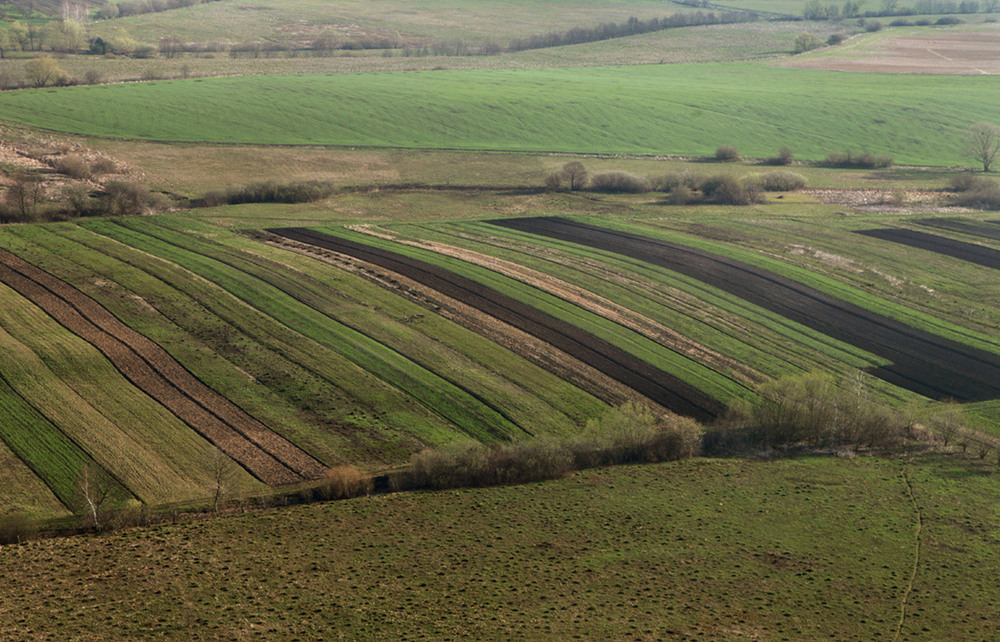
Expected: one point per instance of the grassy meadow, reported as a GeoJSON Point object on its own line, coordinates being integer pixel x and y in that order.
{"type": "Point", "coordinates": [817, 547]}
{"type": "Point", "coordinates": [658, 109]}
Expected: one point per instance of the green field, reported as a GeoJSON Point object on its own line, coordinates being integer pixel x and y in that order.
{"type": "Point", "coordinates": [671, 109]}
{"type": "Point", "coordinates": [852, 549]}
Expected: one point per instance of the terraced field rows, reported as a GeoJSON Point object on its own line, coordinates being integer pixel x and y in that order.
{"type": "Point", "coordinates": [924, 363]}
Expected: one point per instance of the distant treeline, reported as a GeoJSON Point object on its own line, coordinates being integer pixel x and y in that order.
{"type": "Point", "coordinates": [633, 26]}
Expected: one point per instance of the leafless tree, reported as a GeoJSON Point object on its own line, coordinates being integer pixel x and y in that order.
{"type": "Point", "coordinates": [984, 143]}
{"type": "Point", "coordinates": [223, 471]}
{"type": "Point", "coordinates": [95, 491]}
{"type": "Point", "coordinates": [576, 175]}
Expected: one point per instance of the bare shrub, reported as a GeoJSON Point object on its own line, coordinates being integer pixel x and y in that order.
{"type": "Point", "coordinates": [273, 192]}
{"type": "Point", "coordinates": [985, 196]}
{"type": "Point", "coordinates": [344, 482]}
{"type": "Point", "coordinates": [103, 165]}
{"type": "Point", "coordinates": [967, 182]}
{"type": "Point", "coordinates": [784, 157]}
{"type": "Point", "coordinates": [22, 197]}
{"type": "Point", "coordinates": [619, 183]}
{"type": "Point", "coordinates": [124, 198]}
{"type": "Point", "coordinates": [93, 77]}
{"type": "Point", "coordinates": [79, 201]}
{"type": "Point", "coordinates": [74, 166]}
{"type": "Point", "coordinates": [726, 154]}
{"type": "Point", "coordinates": [16, 527]}
{"type": "Point", "coordinates": [811, 409]}
{"type": "Point", "coordinates": [682, 195]}
{"type": "Point", "coordinates": [666, 182]}
{"type": "Point", "coordinates": [730, 190]}
{"type": "Point", "coordinates": [865, 160]}
{"type": "Point", "coordinates": [782, 181]}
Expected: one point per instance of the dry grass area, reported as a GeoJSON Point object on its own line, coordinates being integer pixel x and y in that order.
{"type": "Point", "coordinates": [955, 50]}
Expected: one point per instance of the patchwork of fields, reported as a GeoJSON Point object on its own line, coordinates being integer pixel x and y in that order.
{"type": "Point", "coordinates": [295, 349]}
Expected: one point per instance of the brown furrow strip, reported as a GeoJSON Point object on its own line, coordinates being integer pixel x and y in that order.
{"type": "Point", "coordinates": [154, 371]}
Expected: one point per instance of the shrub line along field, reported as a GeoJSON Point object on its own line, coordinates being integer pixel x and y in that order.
{"type": "Point", "coordinates": [985, 256]}
{"type": "Point", "coordinates": [269, 457]}
{"type": "Point", "coordinates": [635, 373]}
{"type": "Point", "coordinates": [921, 362]}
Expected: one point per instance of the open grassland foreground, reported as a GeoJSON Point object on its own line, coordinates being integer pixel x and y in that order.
{"type": "Point", "coordinates": [802, 549]}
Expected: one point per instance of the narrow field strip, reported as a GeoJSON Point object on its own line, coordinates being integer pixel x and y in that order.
{"type": "Point", "coordinates": [649, 381]}
{"type": "Point", "coordinates": [986, 229]}
{"type": "Point", "coordinates": [921, 362]}
{"type": "Point", "coordinates": [23, 490]}
{"type": "Point", "coordinates": [153, 370]}
{"type": "Point", "coordinates": [985, 256]}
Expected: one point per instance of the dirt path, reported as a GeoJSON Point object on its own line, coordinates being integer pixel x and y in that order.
{"type": "Point", "coordinates": [266, 455]}
{"type": "Point", "coordinates": [651, 382]}
{"type": "Point", "coordinates": [920, 361]}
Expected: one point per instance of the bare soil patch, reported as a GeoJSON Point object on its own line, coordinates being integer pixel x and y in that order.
{"type": "Point", "coordinates": [925, 363]}
{"type": "Point", "coordinates": [266, 455]}
{"type": "Point", "coordinates": [938, 51]}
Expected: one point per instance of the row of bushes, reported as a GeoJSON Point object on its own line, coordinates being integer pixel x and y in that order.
{"type": "Point", "coordinates": [864, 160]}
{"type": "Point", "coordinates": [683, 188]}
{"type": "Point", "coordinates": [975, 191]}
{"type": "Point", "coordinates": [25, 200]}
{"type": "Point", "coordinates": [268, 192]}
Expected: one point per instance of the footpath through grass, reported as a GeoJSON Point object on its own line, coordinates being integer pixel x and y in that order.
{"type": "Point", "coordinates": [724, 549]}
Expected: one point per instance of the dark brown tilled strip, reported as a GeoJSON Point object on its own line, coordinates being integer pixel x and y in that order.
{"type": "Point", "coordinates": [661, 387]}
{"type": "Point", "coordinates": [925, 363]}
{"type": "Point", "coordinates": [969, 252]}
{"type": "Point", "coordinates": [266, 455]}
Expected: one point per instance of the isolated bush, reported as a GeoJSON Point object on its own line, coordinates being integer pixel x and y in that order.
{"type": "Point", "coordinates": [730, 190]}
{"type": "Point", "coordinates": [986, 196]}
{"type": "Point", "coordinates": [872, 26]}
{"type": "Point", "coordinates": [782, 181]}
{"type": "Point", "coordinates": [92, 77]}
{"type": "Point", "coordinates": [966, 182]}
{"type": "Point", "coordinates": [726, 154]}
{"type": "Point", "coordinates": [806, 41]}
{"type": "Point", "coordinates": [784, 157]}
{"type": "Point", "coordinates": [948, 20]}
{"type": "Point", "coordinates": [344, 482]}
{"type": "Point", "coordinates": [103, 166]}
{"type": "Point", "coordinates": [836, 39]}
{"type": "Point", "coordinates": [74, 166]}
{"type": "Point", "coordinates": [16, 527]}
{"type": "Point", "coordinates": [619, 183]}
{"type": "Point", "coordinates": [124, 198]}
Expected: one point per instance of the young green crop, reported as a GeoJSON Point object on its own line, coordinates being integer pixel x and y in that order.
{"type": "Point", "coordinates": [655, 109]}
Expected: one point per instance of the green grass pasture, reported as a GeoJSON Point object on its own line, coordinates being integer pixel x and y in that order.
{"type": "Point", "coordinates": [810, 548]}
{"type": "Point", "coordinates": [656, 109]}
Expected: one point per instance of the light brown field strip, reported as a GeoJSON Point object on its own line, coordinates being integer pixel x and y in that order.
{"type": "Point", "coordinates": [265, 454]}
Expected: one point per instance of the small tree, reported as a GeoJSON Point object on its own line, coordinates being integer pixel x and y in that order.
{"type": "Point", "coordinates": [95, 492]}
{"type": "Point", "coordinates": [983, 143]}
{"type": "Point", "coordinates": [44, 71]}
{"type": "Point", "coordinates": [806, 41]}
{"type": "Point", "coordinates": [576, 175]}
{"type": "Point", "coordinates": [23, 195]}
{"type": "Point", "coordinates": [223, 471]}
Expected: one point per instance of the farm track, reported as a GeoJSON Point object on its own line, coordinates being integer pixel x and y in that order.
{"type": "Point", "coordinates": [985, 256]}
{"type": "Point", "coordinates": [638, 375]}
{"type": "Point", "coordinates": [267, 456]}
{"type": "Point", "coordinates": [924, 363]}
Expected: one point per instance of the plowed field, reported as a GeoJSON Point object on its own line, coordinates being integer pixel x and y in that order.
{"type": "Point", "coordinates": [266, 455]}
{"type": "Point", "coordinates": [921, 362]}
{"type": "Point", "coordinates": [659, 386]}
{"type": "Point", "coordinates": [970, 252]}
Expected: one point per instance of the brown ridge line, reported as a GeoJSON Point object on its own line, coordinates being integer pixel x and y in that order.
{"type": "Point", "coordinates": [265, 454]}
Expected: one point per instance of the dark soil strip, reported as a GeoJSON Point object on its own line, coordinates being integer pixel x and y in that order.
{"type": "Point", "coordinates": [922, 362]}
{"type": "Point", "coordinates": [970, 252]}
{"type": "Point", "coordinates": [655, 384]}
{"type": "Point", "coordinates": [985, 229]}
{"type": "Point", "coordinates": [266, 455]}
